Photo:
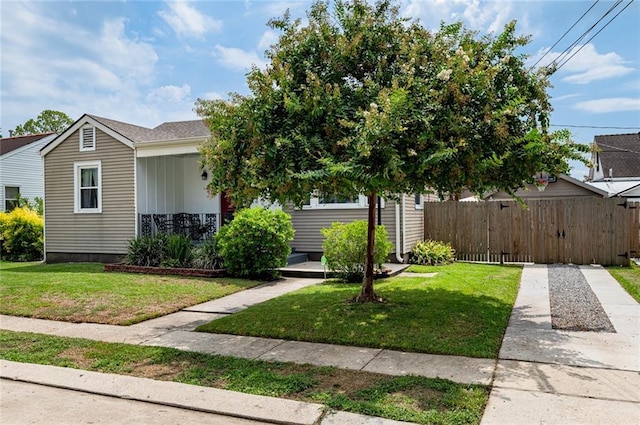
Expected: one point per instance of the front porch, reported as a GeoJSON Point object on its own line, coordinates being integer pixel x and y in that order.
{"type": "Point", "coordinates": [199, 227]}
{"type": "Point", "coordinates": [172, 198]}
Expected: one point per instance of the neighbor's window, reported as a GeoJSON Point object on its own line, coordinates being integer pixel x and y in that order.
{"type": "Point", "coordinates": [11, 195]}
{"type": "Point", "coordinates": [419, 201]}
{"type": "Point", "coordinates": [88, 187]}
{"type": "Point", "coordinates": [337, 202]}
{"type": "Point", "coordinates": [88, 138]}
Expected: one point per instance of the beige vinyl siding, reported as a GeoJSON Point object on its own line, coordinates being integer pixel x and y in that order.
{"type": "Point", "coordinates": [558, 189]}
{"type": "Point", "coordinates": [308, 222]}
{"type": "Point", "coordinates": [107, 232]}
{"type": "Point", "coordinates": [414, 226]}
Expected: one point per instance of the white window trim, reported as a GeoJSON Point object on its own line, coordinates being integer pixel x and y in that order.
{"type": "Point", "coordinates": [77, 166]}
{"type": "Point", "coordinates": [82, 129]}
{"type": "Point", "coordinates": [363, 202]}
{"type": "Point", "coordinates": [419, 206]}
{"type": "Point", "coordinates": [5, 195]}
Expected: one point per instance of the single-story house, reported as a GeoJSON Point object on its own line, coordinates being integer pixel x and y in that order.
{"type": "Point", "coordinates": [107, 181]}
{"type": "Point", "coordinates": [21, 168]}
{"type": "Point", "coordinates": [403, 219]}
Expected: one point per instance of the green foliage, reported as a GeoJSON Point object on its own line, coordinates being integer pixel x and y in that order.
{"type": "Point", "coordinates": [37, 205]}
{"type": "Point", "coordinates": [360, 99]}
{"type": "Point", "coordinates": [345, 246]}
{"type": "Point", "coordinates": [179, 252]}
{"type": "Point", "coordinates": [48, 121]}
{"type": "Point", "coordinates": [256, 243]}
{"type": "Point", "coordinates": [463, 310]}
{"type": "Point", "coordinates": [402, 398]}
{"type": "Point", "coordinates": [629, 278]}
{"type": "Point", "coordinates": [432, 253]}
{"type": "Point", "coordinates": [206, 256]}
{"type": "Point", "coordinates": [147, 251]}
{"type": "Point", "coordinates": [84, 292]}
{"type": "Point", "coordinates": [22, 235]}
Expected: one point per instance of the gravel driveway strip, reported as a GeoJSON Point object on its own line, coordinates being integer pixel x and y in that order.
{"type": "Point", "coordinates": [574, 306]}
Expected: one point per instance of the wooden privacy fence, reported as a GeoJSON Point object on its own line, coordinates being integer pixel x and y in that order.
{"type": "Point", "coordinates": [570, 230]}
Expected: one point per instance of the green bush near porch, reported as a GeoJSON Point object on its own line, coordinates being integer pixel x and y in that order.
{"type": "Point", "coordinates": [256, 243]}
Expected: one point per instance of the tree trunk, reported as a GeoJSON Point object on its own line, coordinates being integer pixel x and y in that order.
{"type": "Point", "coordinates": [367, 294]}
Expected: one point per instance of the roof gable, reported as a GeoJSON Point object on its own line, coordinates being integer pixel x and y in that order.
{"type": "Point", "coordinates": [619, 154]}
{"type": "Point", "coordinates": [131, 134]}
{"type": "Point", "coordinates": [9, 144]}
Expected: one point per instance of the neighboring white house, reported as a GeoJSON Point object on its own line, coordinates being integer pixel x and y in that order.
{"type": "Point", "coordinates": [21, 168]}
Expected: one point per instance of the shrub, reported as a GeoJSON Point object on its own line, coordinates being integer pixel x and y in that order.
{"type": "Point", "coordinates": [206, 256]}
{"type": "Point", "coordinates": [256, 243]}
{"type": "Point", "coordinates": [345, 247]}
{"type": "Point", "coordinates": [147, 251]}
{"type": "Point", "coordinates": [432, 253]}
{"type": "Point", "coordinates": [179, 252]}
{"type": "Point", "coordinates": [22, 235]}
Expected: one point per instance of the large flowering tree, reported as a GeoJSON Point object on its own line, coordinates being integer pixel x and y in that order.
{"type": "Point", "coordinates": [362, 101]}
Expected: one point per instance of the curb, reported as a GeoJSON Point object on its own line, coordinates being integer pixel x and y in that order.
{"type": "Point", "coordinates": [209, 400]}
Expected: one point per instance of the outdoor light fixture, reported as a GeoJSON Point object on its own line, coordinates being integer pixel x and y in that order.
{"type": "Point", "coordinates": [204, 174]}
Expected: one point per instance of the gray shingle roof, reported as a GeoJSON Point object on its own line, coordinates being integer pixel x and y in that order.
{"type": "Point", "coordinates": [165, 131]}
{"type": "Point", "coordinates": [8, 144]}
{"type": "Point", "coordinates": [619, 153]}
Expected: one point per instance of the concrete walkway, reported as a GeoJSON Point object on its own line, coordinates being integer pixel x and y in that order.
{"type": "Point", "coordinates": [546, 376]}
{"type": "Point", "coordinates": [542, 375]}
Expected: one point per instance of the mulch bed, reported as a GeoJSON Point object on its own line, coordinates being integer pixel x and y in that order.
{"type": "Point", "coordinates": [119, 267]}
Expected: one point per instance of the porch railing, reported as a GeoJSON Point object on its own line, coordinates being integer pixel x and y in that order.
{"type": "Point", "coordinates": [195, 226]}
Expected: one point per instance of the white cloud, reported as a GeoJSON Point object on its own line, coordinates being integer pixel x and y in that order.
{"type": "Point", "coordinates": [52, 64]}
{"type": "Point", "coordinates": [120, 52]}
{"type": "Point", "coordinates": [614, 104]}
{"type": "Point", "coordinates": [482, 16]}
{"type": "Point", "coordinates": [588, 65]}
{"type": "Point", "coordinates": [565, 97]}
{"type": "Point", "coordinates": [268, 38]}
{"type": "Point", "coordinates": [235, 58]}
{"type": "Point", "coordinates": [185, 20]}
{"type": "Point", "coordinates": [170, 94]}
{"type": "Point", "coordinates": [212, 95]}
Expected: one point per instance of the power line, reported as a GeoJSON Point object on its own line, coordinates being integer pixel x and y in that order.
{"type": "Point", "coordinates": [605, 25]}
{"type": "Point", "coordinates": [565, 33]}
{"type": "Point", "coordinates": [567, 50]}
{"type": "Point", "coordinates": [594, 126]}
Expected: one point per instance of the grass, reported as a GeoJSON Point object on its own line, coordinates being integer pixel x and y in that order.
{"type": "Point", "coordinates": [629, 278]}
{"type": "Point", "coordinates": [407, 398]}
{"type": "Point", "coordinates": [463, 310]}
{"type": "Point", "coordinates": [85, 293]}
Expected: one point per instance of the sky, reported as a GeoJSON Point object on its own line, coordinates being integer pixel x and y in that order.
{"type": "Point", "coordinates": [146, 62]}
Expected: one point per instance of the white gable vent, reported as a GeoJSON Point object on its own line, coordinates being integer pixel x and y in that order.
{"type": "Point", "coordinates": [88, 138]}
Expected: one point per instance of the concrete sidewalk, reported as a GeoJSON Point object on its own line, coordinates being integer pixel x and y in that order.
{"type": "Point", "coordinates": [542, 375]}
{"type": "Point", "coordinates": [559, 377]}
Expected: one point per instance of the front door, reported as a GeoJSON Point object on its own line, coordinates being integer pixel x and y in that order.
{"type": "Point", "coordinates": [226, 208]}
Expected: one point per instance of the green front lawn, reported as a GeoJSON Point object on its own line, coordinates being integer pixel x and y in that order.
{"type": "Point", "coordinates": [406, 398]}
{"type": "Point", "coordinates": [629, 278]}
{"type": "Point", "coordinates": [85, 293]}
{"type": "Point", "coordinates": [463, 310]}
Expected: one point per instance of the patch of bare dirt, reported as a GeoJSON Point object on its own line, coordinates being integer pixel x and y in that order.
{"type": "Point", "coordinates": [164, 372]}
{"type": "Point", "coordinates": [77, 356]}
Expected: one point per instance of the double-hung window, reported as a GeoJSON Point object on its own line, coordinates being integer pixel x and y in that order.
{"type": "Point", "coordinates": [88, 186]}
{"type": "Point", "coordinates": [336, 202]}
{"type": "Point", "coordinates": [11, 195]}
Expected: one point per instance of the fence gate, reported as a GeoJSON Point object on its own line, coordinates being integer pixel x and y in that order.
{"type": "Point", "coordinates": [571, 230]}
